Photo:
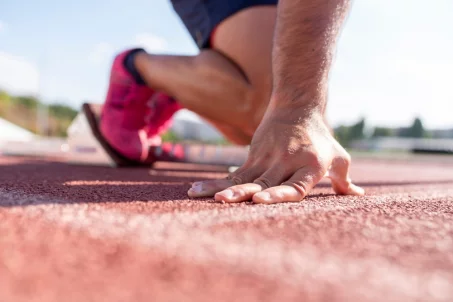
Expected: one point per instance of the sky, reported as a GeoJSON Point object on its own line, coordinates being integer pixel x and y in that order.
{"type": "Point", "coordinates": [394, 59]}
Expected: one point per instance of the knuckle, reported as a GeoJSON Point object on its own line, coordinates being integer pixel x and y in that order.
{"type": "Point", "coordinates": [237, 179]}
{"type": "Point", "coordinates": [311, 155]}
{"type": "Point", "coordinates": [240, 171]}
{"type": "Point", "coordinates": [256, 158]}
{"type": "Point", "coordinates": [343, 161]}
{"type": "Point", "coordinates": [346, 158]}
{"type": "Point", "coordinates": [347, 155]}
{"type": "Point", "coordinates": [301, 187]}
{"type": "Point", "coordinates": [244, 167]}
{"type": "Point", "coordinates": [314, 159]}
{"type": "Point", "coordinates": [248, 175]}
{"type": "Point", "coordinates": [263, 182]}
{"type": "Point", "coordinates": [230, 176]}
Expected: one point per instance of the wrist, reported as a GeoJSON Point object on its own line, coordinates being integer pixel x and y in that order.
{"type": "Point", "coordinates": [300, 114]}
{"type": "Point", "coordinates": [306, 103]}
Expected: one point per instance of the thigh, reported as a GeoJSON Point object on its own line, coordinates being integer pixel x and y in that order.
{"type": "Point", "coordinates": [241, 30]}
{"type": "Point", "coordinates": [201, 17]}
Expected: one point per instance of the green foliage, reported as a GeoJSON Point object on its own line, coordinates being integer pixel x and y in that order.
{"type": "Point", "coordinates": [5, 102]}
{"type": "Point", "coordinates": [382, 132]}
{"type": "Point", "coordinates": [170, 136]}
{"type": "Point", "coordinates": [4, 97]}
{"type": "Point", "coordinates": [62, 111]}
{"type": "Point", "coordinates": [357, 130]}
{"type": "Point", "coordinates": [416, 130]}
{"type": "Point", "coordinates": [27, 101]}
{"type": "Point", "coordinates": [346, 134]}
{"type": "Point", "coordinates": [342, 135]}
{"type": "Point", "coordinates": [220, 142]}
{"type": "Point", "coordinates": [23, 111]}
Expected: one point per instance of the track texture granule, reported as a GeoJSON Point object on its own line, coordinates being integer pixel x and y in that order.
{"type": "Point", "coordinates": [79, 233]}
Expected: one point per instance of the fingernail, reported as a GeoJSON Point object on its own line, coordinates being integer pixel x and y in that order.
{"type": "Point", "coordinates": [226, 193]}
{"type": "Point", "coordinates": [265, 196]}
{"type": "Point", "coordinates": [197, 187]}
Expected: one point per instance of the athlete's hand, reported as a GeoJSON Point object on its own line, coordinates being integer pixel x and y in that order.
{"type": "Point", "coordinates": [291, 151]}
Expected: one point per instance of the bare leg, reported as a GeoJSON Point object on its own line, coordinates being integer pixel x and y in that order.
{"type": "Point", "coordinates": [229, 85]}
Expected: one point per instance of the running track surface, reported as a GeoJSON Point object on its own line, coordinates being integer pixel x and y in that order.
{"type": "Point", "coordinates": [79, 233]}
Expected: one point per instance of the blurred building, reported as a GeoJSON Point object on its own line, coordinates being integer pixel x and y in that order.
{"type": "Point", "coordinates": [12, 132]}
{"type": "Point", "coordinates": [188, 126]}
{"type": "Point", "coordinates": [441, 133]}
{"type": "Point", "coordinates": [422, 145]}
{"type": "Point", "coordinates": [15, 140]}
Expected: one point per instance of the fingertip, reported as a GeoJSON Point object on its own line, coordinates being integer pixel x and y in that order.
{"type": "Point", "coordinates": [219, 198]}
{"type": "Point", "coordinates": [356, 190]}
{"type": "Point", "coordinates": [191, 193]}
{"type": "Point", "coordinates": [194, 194]}
{"type": "Point", "coordinates": [224, 196]}
{"type": "Point", "coordinates": [262, 197]}
{"type": "Point", "coordinates": [283, 193]}
{"type": "Point", "coordinates": [198, 192]}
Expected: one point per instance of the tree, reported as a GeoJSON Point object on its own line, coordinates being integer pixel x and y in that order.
{"type": "Point", "coordinates": [382, 132]}
{"type": "Point", "coordinates": [62, 111]}
{"type": "Point", "coordinates": [342, 135]}
{"type": "Point", "coordinates": [417, 129]}
{"type": "Point", "coordinates": [23, 111]}
{"type": "Point", "coordinates": [5, 102]}
{"type": "Point", "coordinates": [346, 134]}
{"type": "Point", "coordinates": [4, 97]}
{"type": "Point", "coordinates": [356, 131]}
{"type": "Point", "coordinates": [27, 101]}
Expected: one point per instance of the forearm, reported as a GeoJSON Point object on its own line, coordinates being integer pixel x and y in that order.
{"type": "Point", "coordinates": [304, 45]}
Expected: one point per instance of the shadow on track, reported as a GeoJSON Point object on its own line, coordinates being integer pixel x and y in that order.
{"type": "Point", "coordinates": [34, 181]}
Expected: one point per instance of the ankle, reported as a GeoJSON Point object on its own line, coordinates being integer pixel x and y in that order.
{"type": "Point", "coordinates": [141, 63]}
{"type": "Point", "coordinates": [131, 66]}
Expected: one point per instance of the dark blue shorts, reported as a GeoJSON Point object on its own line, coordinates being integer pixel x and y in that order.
{"type": "Point", "coordinates": [202, 16]}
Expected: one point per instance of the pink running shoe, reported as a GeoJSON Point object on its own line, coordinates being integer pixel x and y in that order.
{"type": "Point", "coordinates": [127, 105]}
{"type": "Point", "coordinates": [159, 117]}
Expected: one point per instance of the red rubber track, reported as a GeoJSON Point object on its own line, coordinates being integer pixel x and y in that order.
{"type": "Point", "coordinates": [79, 233]}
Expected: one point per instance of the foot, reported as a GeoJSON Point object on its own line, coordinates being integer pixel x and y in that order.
{"type": "Point", "coordinates": [133, 114]}
{"type": "Point", "coordinates": [160, 113]}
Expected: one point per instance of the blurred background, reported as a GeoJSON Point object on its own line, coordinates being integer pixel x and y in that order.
{"type": "Point", "coordinates": [390, 88]}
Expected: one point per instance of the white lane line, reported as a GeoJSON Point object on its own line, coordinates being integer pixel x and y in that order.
{"type": "Point", "coordinates": [76, 183]}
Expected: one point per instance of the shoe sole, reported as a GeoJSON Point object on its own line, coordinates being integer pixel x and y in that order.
{"type": "Point", "coordinates": [93, 115]}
